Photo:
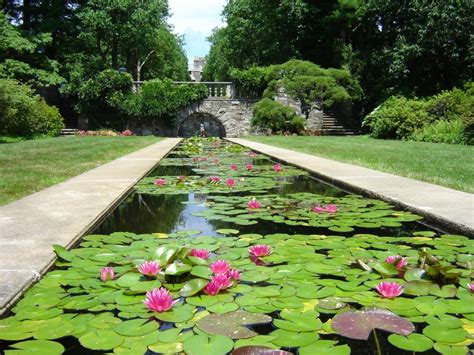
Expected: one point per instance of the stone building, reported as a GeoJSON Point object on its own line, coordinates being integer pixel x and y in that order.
{"type": "Point", "coordinates": [195, 72]}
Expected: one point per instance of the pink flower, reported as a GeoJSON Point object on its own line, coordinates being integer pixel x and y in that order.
{"type": "Point", "coordinates": [200, 253]}
{"type": "Point", "coordinates": [160, 182]}
{"type": "Point", "coordinates": [471, 286]}
{"type": "Point", "coordinates": [230, 182]}
{"type": "Point", "coordinates": [399, 261]}
{"type": "Point", "coordinates": [234, 274]}
{"type": "Point", "coordinates": [389, 289]}
{"type": "Point", "coordinates": [106, 274]}
{"type": "Point", "coordinates": [181, 178]}
{"type": "Point", "coordinates": [149, 268]}
{"type": "Point", "coordinates": [215, 179]}
{"type": "Point", "coordinates": [254, 204]}
{"type": "Point", "coordinates": [195, 159]}
{"type": "Point", "coordinates": [204, 159]}
{"type": "Point", "coordinates": [216, 161]}
{"type": "Point", "coordinates": [127, 133]}
{"type": "Point", "coordinates": [212, 288]}
{"type": "Point", "coordinates": [277, 168]}
{"type": "Point", "coordinates": [260, 250]}
{"type": "Point", "coordinates": [223, 280]}
{"type": "Point", "coordinates": [252, 154]}
{"type": "Point", "coordinates": [233, 167]}
{"type": "Point", "coordinates": [331, 208]}
{"type": "Point", "coordinates": [220, 267]}
{"type": "Point", "coordinates": [318, 209]}
{"type": "Point", "coordinates": [159, 300]}
{"type": "Point", "coordinates": [249, 167]}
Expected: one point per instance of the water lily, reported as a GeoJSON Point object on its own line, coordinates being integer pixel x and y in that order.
{"type": "Point", "coordinates": [195, 159]}
{"type": "Point", "coordinates": [204, 159]}
{"type": "Point", "coordinates": [216, 161]}
{"type": "Point", "coordinates": [181, 178]}
{"type": "Point", "coordinates": [200, 253]}
{"type": "Point", "coordinates": [215, 179]}
{"type": "Point", "coordinates": [254, 204]}
{"type": "Point", "coordinates": [230, 183]}
{"type": "Point", "coordinates": [159, 300]}
{"type": "Point", "coordinates": [277, 168]}
{"type": "Point", "coordinates": [389, 289]}
{"type": "Point", "coordinates": [471, 286]}
{"type": "Point", "coordinates": [233, 167]}
{"type": "Point", "coordinates": [399, 261]}
{"type": "Point", "coordinates": [212, 288]}
{"type": "Point", "coordinates": [234, 274]}
{"type": "Point", "coordinates": [160, 182]}
{"type": "Point", "coordinates": [260, 250]}
{"type": "Point", "coordinates": [249, 167]}
{"type": "Point", "coordinates": [106, 274]}
{"type": "Point", "coordinates": [220, 267]}
{"type": "Point", "coordinates": [223, 280]}
{"type": "Point", "coordinates": [318, 209]}
{"type": "Point", "coordinates": [149, 268]}
{"type": "Point", "coordinates": [331, 208]}
{"type": "Point", "coordinates": [252, 154]}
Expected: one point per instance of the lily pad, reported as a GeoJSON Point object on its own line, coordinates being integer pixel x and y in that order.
{"type": "Point", "coordinates": [202, 344]}
{"type": "Point", "coordinates": [359, 324]}
{"type": "Point", "coordinates": [413, 342]}
{"type": "Point", "coordinates": [259, 350]}
{"type": "Point", "coordinates": [40, 346]}
{"type": "Point", "coordinates": [232, 324]}
{"type": "Point", "coordinates": [101, 340]}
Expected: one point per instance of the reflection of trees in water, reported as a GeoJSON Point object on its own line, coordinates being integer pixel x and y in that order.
{"type": "Point", "coordinates": [145, 214]}
{"type": "Point", "coordinates": [307, 184]}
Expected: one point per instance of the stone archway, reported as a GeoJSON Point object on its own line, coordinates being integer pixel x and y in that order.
{"type": "Point", "coordinates": [190, 127]}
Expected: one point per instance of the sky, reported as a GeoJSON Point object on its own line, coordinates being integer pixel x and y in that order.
{"type": "Point", "coordinates": [195, 19]}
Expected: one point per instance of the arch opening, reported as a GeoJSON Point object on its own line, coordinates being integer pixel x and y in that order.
{"type": "Point", "coordinates": [191, 126]}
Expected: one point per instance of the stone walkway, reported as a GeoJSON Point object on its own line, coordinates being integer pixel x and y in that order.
{"type": "Point", "coordinates": [448, 208]}
{"type": "Point", "coordinates": [63, 213]}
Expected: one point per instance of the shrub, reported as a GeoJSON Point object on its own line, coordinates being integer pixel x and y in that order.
{"type": "Point", "coordinates": [101, 99]}
{"type": "Point", "coordinates": [442, 131]}
{"type": "Point", "coordinates": [24, 113]}
{"type": "Point", "coordinates": [446, 117]}
{"type": "Point", "coordinates": [251, 82]}
{"type": "Point", "coordinates": [397, 118]}
{"type": "Point", "coordinates": [162, 99]}
{"type": "Point", "coordinates": [272, 115]}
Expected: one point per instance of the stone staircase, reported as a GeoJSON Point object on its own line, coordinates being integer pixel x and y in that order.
{"type": "Point", "coordinates": [67, 132]}
{"type": "Point", "coordinates": [336, 124]}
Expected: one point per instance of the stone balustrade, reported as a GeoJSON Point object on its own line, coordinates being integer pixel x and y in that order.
{"type": "Point", "coordinates": [216, 89]}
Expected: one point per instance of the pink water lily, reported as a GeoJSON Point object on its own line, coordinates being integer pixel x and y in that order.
{"type": "Point", "coordinates": [277, 168]}
{"type": "Point", "coordinates": [195, 159]}
{"type": "Point", "coordinates": [249, 167]}
{"type": "Point", "coordinates": [471, 286]}
{"type": "Point", "coordinates": [159, 300]}
{"type": "Point", "coordinates": [204, 159]}
{"type": "Point", "coordinates": [212, 288]}
{"type": "Point", "coordinates": [216, 161]}
{"type": "Point", "coordinates": [318, 209]}
{"type": "Point", "coordinates": [223, 280]}
{"type": "Point", "coordinates": [200, 253]}
{"type": "Point", "coordinates": [106, 274]}
{"type": "Point", "coordinates": [252, 154]}
{"type": "Point", "coordinates": [215, 179]}
{"type": "Point", "coordinates": [181, 178]}
{"type": "Point", "coordinates": [220, 267]}
{"type": "Point", "coordinates": [233, 167]}
{"type": "Point", "coordinates": [254, 204]}
{"type": "Point", "coordinates": [389, 289]}
{"type": "Point", "coordinates": [331, 208]}
{"type": "Point", "coordinates": [149, 268]}
{"type": "Point", "coordinates": [234, 274]}
{"type": "Point", "coordinates": [260, 250]}
{"type": "Point", "coordinates": [230, 183]}
{"type": "Point", "coordinates": [160, 182]}
{"type": "Point", "coordinates": [397, 260]}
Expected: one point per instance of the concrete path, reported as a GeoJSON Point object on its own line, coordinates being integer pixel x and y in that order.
{"type": "Point", "coordinates": [63, 213]}
{"type": "Point", "coordinates": [451, 209]}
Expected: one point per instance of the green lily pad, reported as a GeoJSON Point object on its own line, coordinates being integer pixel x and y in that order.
{"type": "Point", "coordinates": [442, 334]}
{"type": "Point", "coordinates": [40, 346]}
{"type": "Point", "coordinates": [298, 321]}
{"type": "Point", "coordinates": [232, 324]}
{"type": "Point", "coordinates": [136, 327]}
{"type": "Point", "coordinates": [285, 338]}
{"type": "Point", "coordinates": [101, 340]}
{"type": "Point", "coordinates": [413, 342]}
{"type": "Point", "coordinates": [324, 347]}
{"type": "Point", "coordinates": [193, 287]}
{"type": "Point", "coordinates": [202, 344]}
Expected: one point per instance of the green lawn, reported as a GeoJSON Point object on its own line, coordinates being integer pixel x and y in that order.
{"type": "Point", "coordinates": [30, 166]}
{"type": "Point", "coordinates": [442, 164]}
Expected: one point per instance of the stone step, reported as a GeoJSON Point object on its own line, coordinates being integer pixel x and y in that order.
{"type": "Point", "coordinates": [68, 132]}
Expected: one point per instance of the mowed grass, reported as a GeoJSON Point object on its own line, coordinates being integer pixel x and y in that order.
{"type": "Point", "coordinates": [30, 166]}
{"type": "Point", "coordinates": [442, 164]}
